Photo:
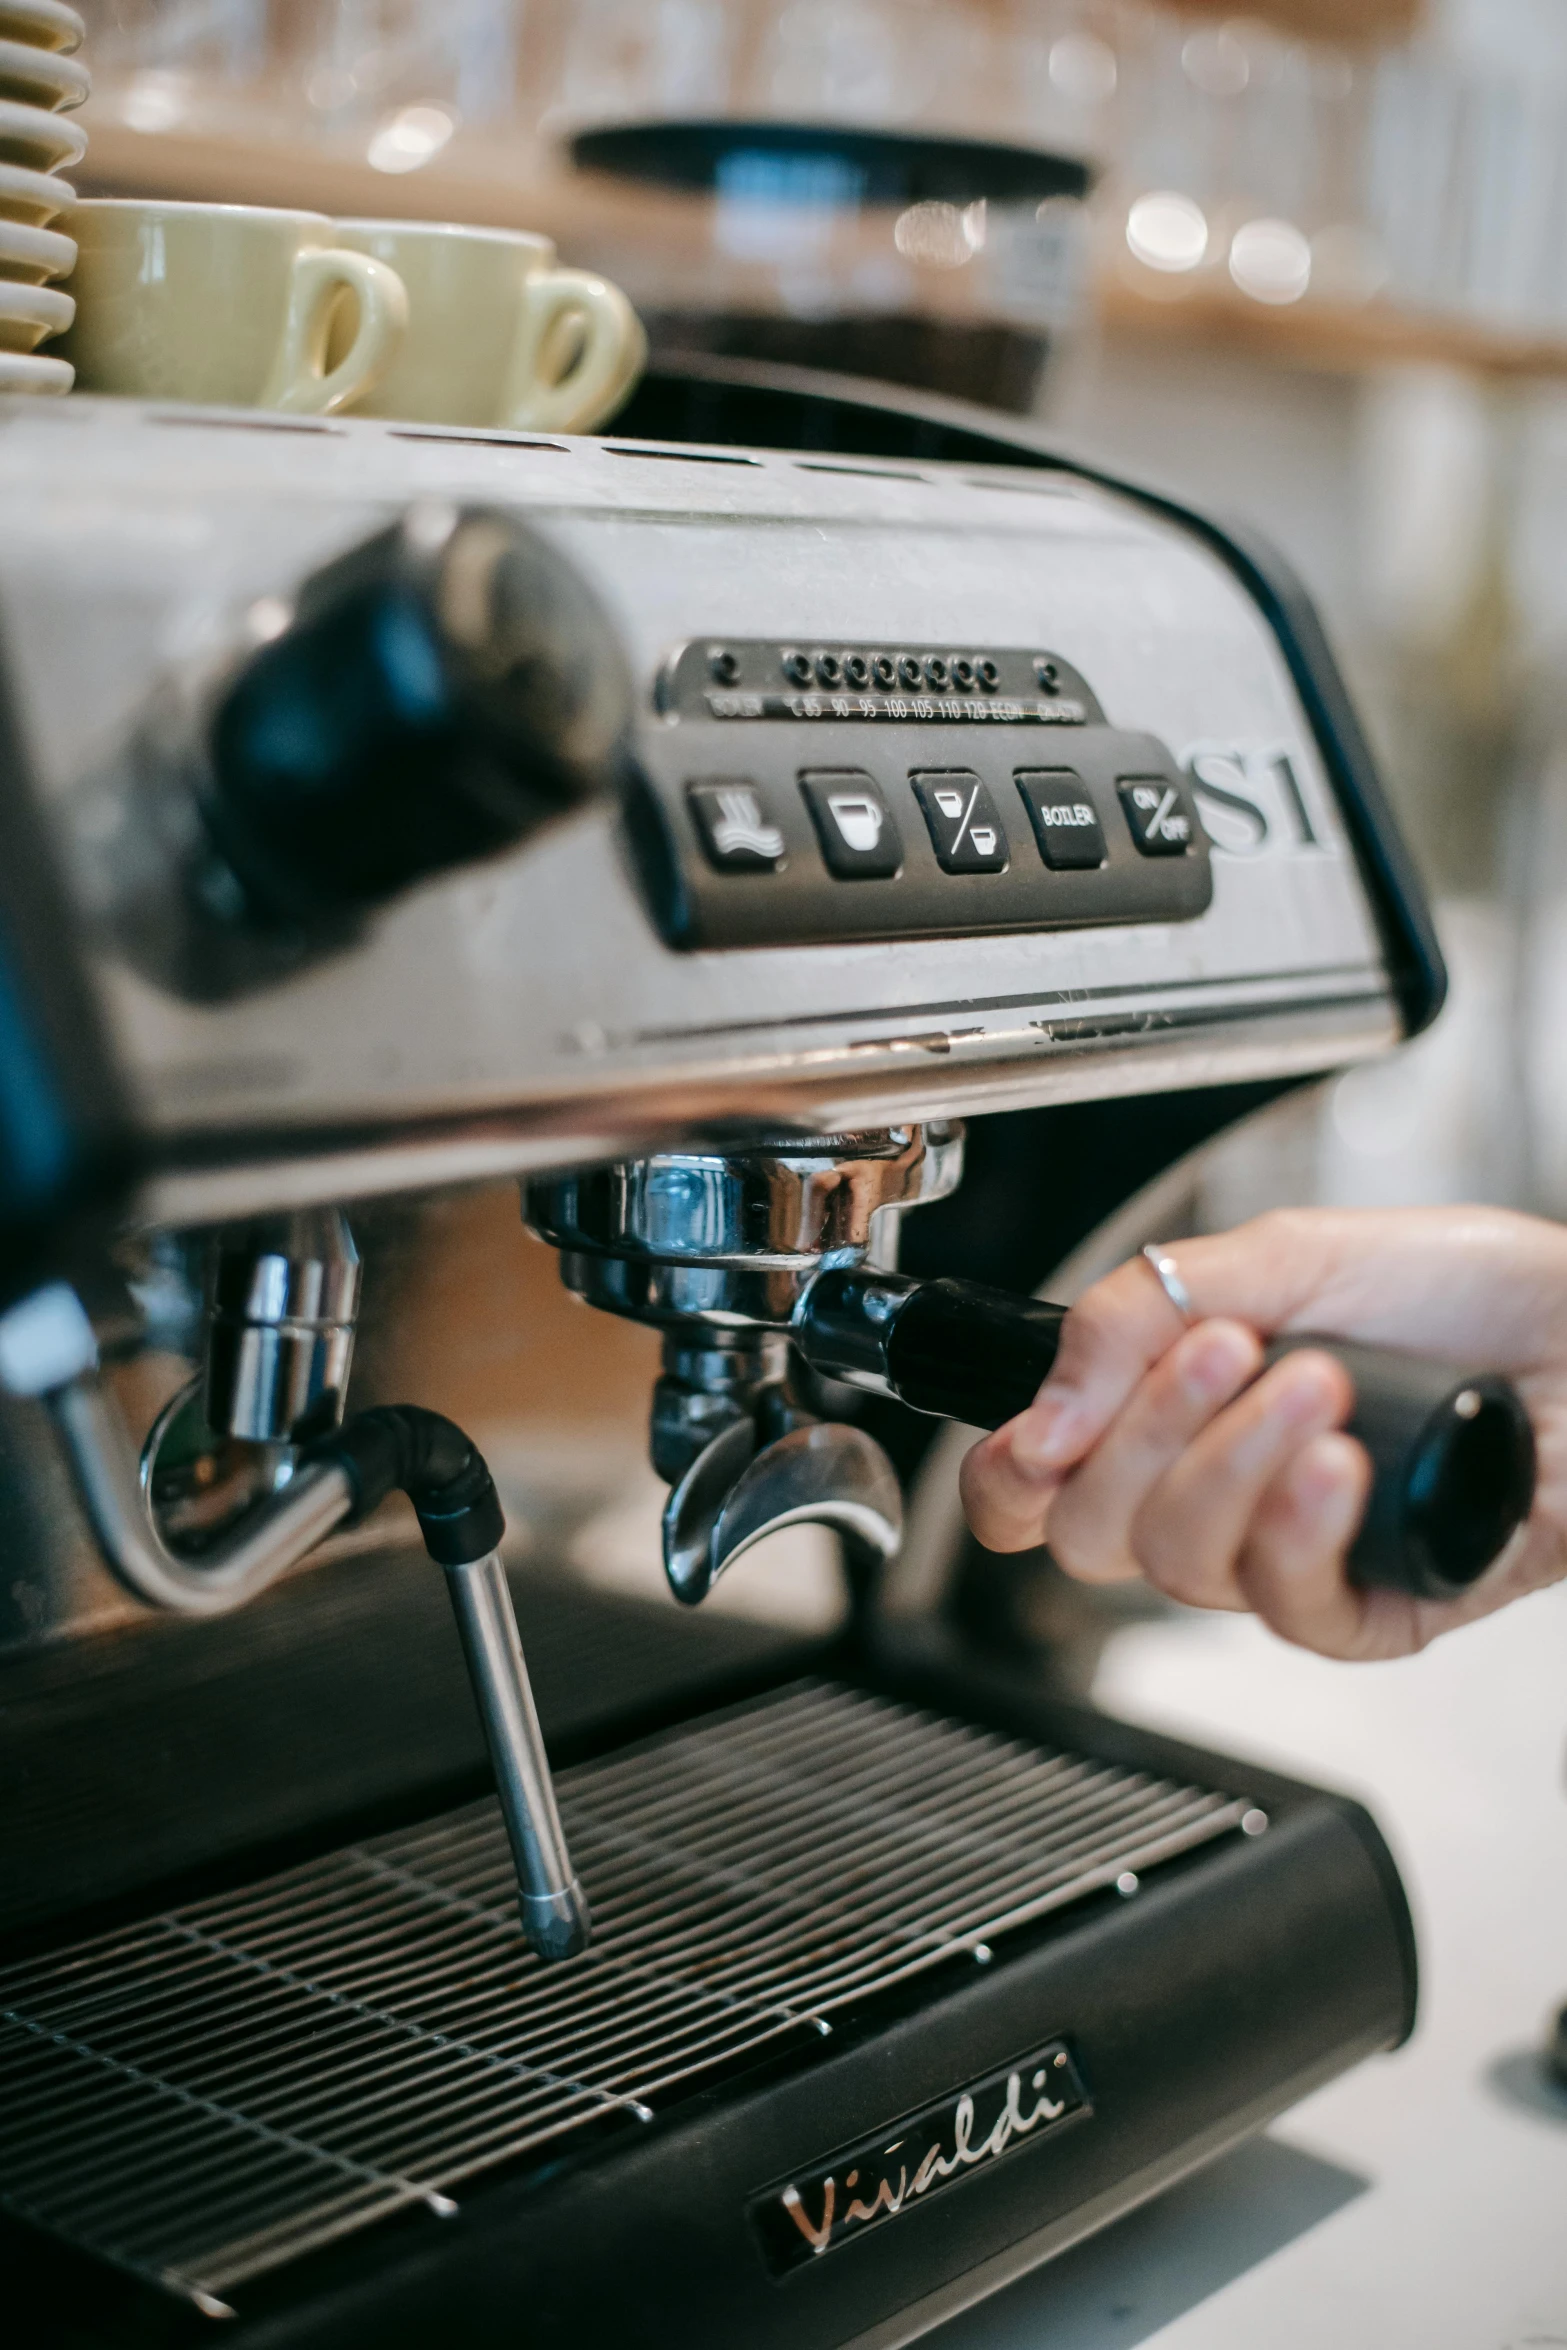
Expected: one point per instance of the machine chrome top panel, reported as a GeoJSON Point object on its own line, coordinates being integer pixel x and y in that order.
{"type": "Point", "coordinates": [568, 1000]}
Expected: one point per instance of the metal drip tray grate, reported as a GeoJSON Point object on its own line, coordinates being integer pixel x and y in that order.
{"type": "Point", "coordinates": [214, 2091]}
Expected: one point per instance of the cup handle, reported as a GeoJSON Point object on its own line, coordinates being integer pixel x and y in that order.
{"type": "Point", "coordinates": [604, 370]}
{"type": "Point", "coordinates": [301, 382]}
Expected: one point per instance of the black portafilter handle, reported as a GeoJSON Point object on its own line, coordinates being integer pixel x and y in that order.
{"type": "Point", "coordinates": [1452, 1457]}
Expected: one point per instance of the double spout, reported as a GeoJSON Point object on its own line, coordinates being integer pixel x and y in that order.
{"type": "Point", "coordinates": [725, 1251]}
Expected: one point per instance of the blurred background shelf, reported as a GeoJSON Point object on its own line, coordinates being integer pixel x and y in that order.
{"type": "Point", "coordinates": [1334, 338]}
{"type": "Point", "coordinates": [1359, 21]}
{"type": "Point", "coordinates": [594, 219]}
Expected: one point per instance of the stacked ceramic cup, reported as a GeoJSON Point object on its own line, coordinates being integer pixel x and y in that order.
{"type": "Point", "coordinates": [40, 82]}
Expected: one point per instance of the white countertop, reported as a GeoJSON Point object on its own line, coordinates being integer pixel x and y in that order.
{"type": "Point", "coordinates": [1421, 2202]}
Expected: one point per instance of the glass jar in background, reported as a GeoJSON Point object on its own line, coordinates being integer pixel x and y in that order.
{"type": "Point", "coordinates": [909, 257]}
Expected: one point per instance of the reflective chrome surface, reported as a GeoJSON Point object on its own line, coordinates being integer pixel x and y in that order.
{"type": "Point", "coordinates": [555, 1914]}
{"type": "Point", "coordinates": [232, 1570]}
{"type": "Point", "coordinates": [581, 1035]}
{"type": "Point", "coordinates": [734, 1497]}
{"type": "Point", "coordinates": [283, 1297]}
{"type": "Point", "coordinates": [779, 1206]}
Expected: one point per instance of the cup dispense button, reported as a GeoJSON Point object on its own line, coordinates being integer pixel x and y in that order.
{"type": "Point", "coordinates": [960, 816]}
{"type": "Point", "coordinates": [736, 830]}
{"type": "Point", "coordinates": [1065, 820]}
{"type": "Point", "coordinates": [859, 838]}
{"type": "Point", "coordinates": [1159, 814]}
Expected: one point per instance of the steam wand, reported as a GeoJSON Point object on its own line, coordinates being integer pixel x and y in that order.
{"type": "Point", "coordinates": [48, 1351]}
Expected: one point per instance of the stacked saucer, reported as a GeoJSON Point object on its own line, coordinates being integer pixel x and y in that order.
{"type": "Point", "coordinates": [40, 81]}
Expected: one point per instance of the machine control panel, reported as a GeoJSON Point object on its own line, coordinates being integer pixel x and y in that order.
{"type": "Point", "coordinates": [813, 792]}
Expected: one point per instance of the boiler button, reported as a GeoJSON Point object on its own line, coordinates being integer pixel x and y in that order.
{"type": "Point", "coordinates": [735, 827]}
{"type": "Point", "coordinates": [859, 836]}
{"type": "Point", "coordinates": [1065, 820]}
{"type": "Point", "coordinates": [1159, 814]}
{"type": "Point", "coordinates": [960, 816]}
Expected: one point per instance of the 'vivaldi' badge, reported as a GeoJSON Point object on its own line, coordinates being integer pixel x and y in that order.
{"type": "Point", "coordinates": [817, 2210]}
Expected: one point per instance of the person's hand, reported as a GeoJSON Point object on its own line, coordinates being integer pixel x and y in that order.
{"type": "Point", "coordinates": [1150, 1452]}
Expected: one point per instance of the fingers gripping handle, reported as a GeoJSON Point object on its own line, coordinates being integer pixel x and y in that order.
{"type": "Point", "coordinates": [1452, 1457]}
{"type": "Point", "coordinates": [1452, 1463]}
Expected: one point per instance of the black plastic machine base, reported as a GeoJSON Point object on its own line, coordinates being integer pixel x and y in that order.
{"type": "Point", "coordinates": [1237, 1979]}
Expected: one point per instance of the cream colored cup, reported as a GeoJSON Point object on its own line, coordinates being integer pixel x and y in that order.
{"type": "Point", "coordinates": [229, 304]}
{"type": "Point", "coordinates": [497, 334]}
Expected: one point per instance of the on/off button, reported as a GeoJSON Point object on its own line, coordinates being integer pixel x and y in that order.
{"type": "Point", "coordinates": [1065, 820]}
{"type": "Point", "coordinates": [1159, 815]}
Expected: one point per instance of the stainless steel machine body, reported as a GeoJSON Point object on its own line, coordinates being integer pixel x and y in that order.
{"type": "Point", "coordinates": [525, 1012]}
{"type": "Point", "coordinates": [946, 788]}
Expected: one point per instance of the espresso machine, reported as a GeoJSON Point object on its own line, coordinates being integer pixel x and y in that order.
{"type": "Point", "coordinates": [695, 834]}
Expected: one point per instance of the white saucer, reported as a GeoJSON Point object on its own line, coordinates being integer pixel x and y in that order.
{"type": "Point", "coordinates": [42, 141]}
{"type": "Point", "coordinates": [33, 196]}
{"type": "Point", "coordinates": [23, 372]}
{"type": "Point", "coordinates": [41, 77]}
{"type": "Point", "coordinates": [47, 24]}
{"type": "Point", "coordinates": [32, 256]}
{"type": "Point", "coordinates": [30, 314]}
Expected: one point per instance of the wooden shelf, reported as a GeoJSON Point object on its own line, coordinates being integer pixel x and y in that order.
{"type": "Point", "coordinates": [1349, 22]}
{"type": "Point", "coordinates": [491, 185]}
{"type": "Point", "coordinates": [600, 224]}
{"type": "Point", "coordinates": [1334, 338]}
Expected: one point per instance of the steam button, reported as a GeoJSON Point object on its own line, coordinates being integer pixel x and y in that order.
{"type": "Point", "coordinates": [960, 816]}
{"type": "Point", "coordinates": [859, 837]}
{"type": "Point", "coordinates": [1159, 814]}
{"type": "Point", "coordinates": [735, 827]}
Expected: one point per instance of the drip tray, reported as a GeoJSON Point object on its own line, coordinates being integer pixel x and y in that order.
{"type": "Point", "coordinates": [214, 2091]}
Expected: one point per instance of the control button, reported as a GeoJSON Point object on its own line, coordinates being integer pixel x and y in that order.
{"type": "Point", "coordinates": [937, 675]}
{"type": "Point", "coordinates": [735, 828]}
{"type": "Point", "coordinates": [963, 674]}
{"type": "Point", "coordinates": [797, 668]}
{"type": "Point", "coordinates": [884, 671]}
{"type": "Point", "coordinates": [1066, 822]}
{"type": "Point", "coordinates": [1159, 814]}
{"type": "Point", "coordinates": [829, 668]}
{"type": "Point", "coordinates": [859, 838]}
{"type": "Point", "coordinates": [911, 671]}
{"type": "Point", "coordinates": [960, 816]}
{"type": "Point", "coordinates": [989, 673]}
{"type": "Point", "coordinates": [856, 670]}
{"type": "Point", "coordinates": [723, 665]}
{"type": "Point", "coordinates": [1047, 676]}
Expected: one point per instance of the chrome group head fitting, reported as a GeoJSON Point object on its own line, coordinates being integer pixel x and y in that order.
{"type": "Point", "coordinates": [731, 1235]}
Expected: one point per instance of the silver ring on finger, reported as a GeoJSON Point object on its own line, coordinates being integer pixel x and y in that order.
{"type": "Point", "coordinates": [1165, 1272]}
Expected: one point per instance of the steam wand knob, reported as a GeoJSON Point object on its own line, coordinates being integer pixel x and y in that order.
{"type": "Point", "coordinates": [433, 696]}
